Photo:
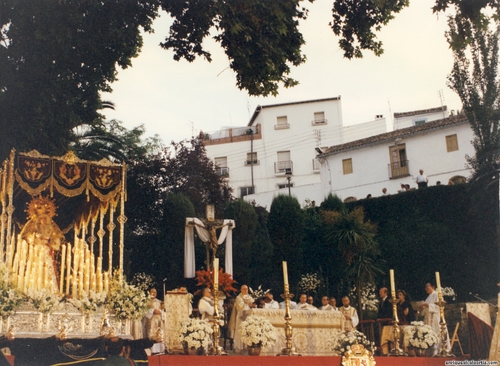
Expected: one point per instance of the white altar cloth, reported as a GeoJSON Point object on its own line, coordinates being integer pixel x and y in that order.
{"type": "Point", "coordinates": [313, 331]}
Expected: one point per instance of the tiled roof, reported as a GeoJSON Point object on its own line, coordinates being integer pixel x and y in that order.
{"type": "Point", "coordinates": [402, 133]}
{"type": "Point", "coordinates": [422, 111]}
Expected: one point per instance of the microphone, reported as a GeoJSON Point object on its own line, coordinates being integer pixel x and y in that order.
{"type": "Point", "coordinates": [165, 279]}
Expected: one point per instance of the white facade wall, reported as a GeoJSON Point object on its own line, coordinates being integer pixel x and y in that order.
{"type": "Point", "coordinates": [426, 150]}
{"type": "Point", "coordinates": [300, 139]}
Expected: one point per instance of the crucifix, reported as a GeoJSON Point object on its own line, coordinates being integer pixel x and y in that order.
{"type": "Point", "coordinates": [207, 231]}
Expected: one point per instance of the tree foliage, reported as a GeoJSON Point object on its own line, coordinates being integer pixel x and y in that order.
{"type": "Point", "coordinates": [286, 230]}
{"type": "Point", "coordinates": [55, 59]}
{"type": "Point", "coordinates": [260, 38]}
{"type": "Point", "coordinates": [474, 78]}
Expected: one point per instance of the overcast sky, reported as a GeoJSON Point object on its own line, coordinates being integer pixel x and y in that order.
{"type": "Point", "coordinates": [174, 99]}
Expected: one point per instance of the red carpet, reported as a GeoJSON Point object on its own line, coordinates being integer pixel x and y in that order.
{"type": "Point", "coordinates": [176, 360]}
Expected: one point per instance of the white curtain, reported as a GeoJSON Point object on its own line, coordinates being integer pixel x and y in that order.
{"type": "Point", "coordinates": [225, 235]}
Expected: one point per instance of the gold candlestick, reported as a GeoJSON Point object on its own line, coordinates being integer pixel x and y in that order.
{"type": "Point", "coordinates": [397, 350]}
{"type": "Point", "coordinates": [442, 324]}
{"type": "Point", "coordinates": [289, 350]}
{"type": "Point", "coordinates": [216, 349]}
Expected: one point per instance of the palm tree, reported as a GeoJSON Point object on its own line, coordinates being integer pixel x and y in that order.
{"type": "Point", "coordinates": [354, 238]}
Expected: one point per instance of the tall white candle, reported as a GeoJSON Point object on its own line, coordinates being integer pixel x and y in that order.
{"type": "Point", "coordinates": [285, 273]}
{"type": "Point", "coordinates": [438, 282]}
{"type": "Point", "coordinates": [216, 272]}
{"type": "Point", "coordinates": [393, 286]}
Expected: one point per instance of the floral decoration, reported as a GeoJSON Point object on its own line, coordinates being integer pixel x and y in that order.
{"type": "Point", "coordinates": [44, 300]}
{"type": "Point", "coordinates": [369, 300]}
{"type": "Point", "coordinates": [309, 282]}
{"type": "Point", "coordinates": [195, 333]}
{"type": "Point", "coordinates": [126, 301]}
{"type": "Point", "coordinates": [206, 279]}
{"type": "Point", "coordinates": [347, 339]}
{"type": "Point", "coordinates": [143, 281]}
{"type": "Point", "coordinates": [420, 335]}
{"type": "Point", "coordinates": [10, 298]}
{"type": "Point", "coordinates": [89, 303]}
{"type": "Point", "coordinates": [256, 294]}
{"type": "Point", "coordinates": [449, 292]}
{"type": "Point", "coordinates": [257, 331]}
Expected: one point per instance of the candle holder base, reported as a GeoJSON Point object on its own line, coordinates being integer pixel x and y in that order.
{"type": "Point", "coordinates": [217, 351]}
{"type": "Point", "coordinates": [288, 352]}
{"type": "Point", "coordinates": [397, 352]}
{"type": "Point", "coordinates": [444, 353]}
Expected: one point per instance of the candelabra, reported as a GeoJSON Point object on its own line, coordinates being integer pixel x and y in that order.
{"type": "Point", "coordinates": [288, 350]}
{"type": "Point", "coordinates": [397, 350]}
{"type": "Point", "coordinates": [444, 331]}
{"type": "Point", "coordinates": [216, 349]}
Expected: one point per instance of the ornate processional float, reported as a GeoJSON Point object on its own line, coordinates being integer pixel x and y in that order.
{"type": "Point", "coordinates": [57, 236]}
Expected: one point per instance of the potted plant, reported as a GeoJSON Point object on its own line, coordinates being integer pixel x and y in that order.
{"type": "Point", "coordinates": [195, 335]}
{"type": "Point", "coordinates": [257, 332]}
{"type": "Point", "coordinates": [347, 339]}
{"type": "Point", "coordinates": [420, 337]}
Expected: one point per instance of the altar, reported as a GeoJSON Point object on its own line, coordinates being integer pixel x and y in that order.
{"type": "Point", "coordinates": [314, 332]}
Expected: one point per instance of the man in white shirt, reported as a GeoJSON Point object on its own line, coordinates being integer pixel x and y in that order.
{"type": "Point", "coordinates": [270, 302]}
{"type": "Point", "coordinates": [430, 312]}
{"type": "Point", "coordinates": [422, 179]}
{"type": "Point", "coordinates": [350, 314]}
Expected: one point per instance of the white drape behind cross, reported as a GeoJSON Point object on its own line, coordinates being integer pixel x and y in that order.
{"type": "Point", "coordinates": [226, 234]}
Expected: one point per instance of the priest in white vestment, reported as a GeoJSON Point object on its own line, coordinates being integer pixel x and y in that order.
{"type": "Point", "coordinates": [270, 303]}
{"type": "Point", "coordinates": [154, 321]}
{"type": "Point", "coordinates": [242, 302]}
{"type": "Point", "coordinates": [325, 304]}
{"type": "Point", "coordinates": [430, 311]}
{"type": "Point", "coordinates": [206, 305]}
{"type": "Point", "coordinates": [350, 314]}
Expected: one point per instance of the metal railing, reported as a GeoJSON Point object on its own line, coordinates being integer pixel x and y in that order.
{"type": "Point", "coordinates": [280, 167]}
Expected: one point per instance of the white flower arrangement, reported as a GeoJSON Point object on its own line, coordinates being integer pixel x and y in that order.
{"type": "Point", "coordinates": [195, 333]}
{"type": "Point", "coordinates": [257, 330]}
{"type": "Point", "coordinates": [347, 339]}
{"type": "Point", "coordinates": [449, 292]}
{"type": "Point", "coordinates": [420, 335]}
{"type": "Point", "coordinates": [369, 300]}
{"type": "Point", "coordinates": [10, 298]}
{"type": "Point", "coordinates": [258, 293]}
{"type": "Point", "coordinates": [309, 282]}
{"type": "Point", "coordinates": [44, 300]}
{"type": "Point", "coordinates": [127, 301]}
{"type": "Point", "coordinates": [89, 303]}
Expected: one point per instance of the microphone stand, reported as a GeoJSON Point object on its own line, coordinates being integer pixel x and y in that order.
{"type": "Point", "coordinates": [483, 300]}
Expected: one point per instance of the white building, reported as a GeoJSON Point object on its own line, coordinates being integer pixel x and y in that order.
{"type": "Point", "coordinates": [355, 169]}
{"type": "Point", "coordinates": [280, 138]}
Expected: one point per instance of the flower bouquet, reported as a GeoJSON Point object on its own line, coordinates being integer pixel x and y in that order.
{"type": "Point", "coordinates": [309, 282]}
{"type": "Point", "coordinates": [420, 336]}
{"type": "Point", "coordinates": [258, 293]}
{"type": "Point", "coordinates": [44, 300]}
{"type": "Point", "coordinates": [257, 331]}
{"type": "Point", "coordinates": [449, 292]}
{"type": "Point", "coordinates": [127, 301]}
{"type": "Point", "coordinates": [195, 334]}
{"type": "Point", "coordinates": [88, 304]}
{"type": "Point", "coordinates": [347, 339]}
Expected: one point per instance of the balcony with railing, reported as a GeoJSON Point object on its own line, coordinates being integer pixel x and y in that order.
{"type": "Point", "coordinates": [399, 169]}
{"type": "Point", "coordinates": [318, 122]}
{"type": "Point", "coordinates": [280, 167]}
{"type": "Point", "coordinates": [222, 172]}
{"type": "Point", "coordinates": [282, 126]}
{"type": "Point", "coordinates": [252, 162]}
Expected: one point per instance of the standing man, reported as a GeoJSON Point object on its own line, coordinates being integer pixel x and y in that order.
{"type": "Point", "coordinates": [422, 179]}
{"type": "Point", "coordinates": [350, 315]}
{"type": "Point", "coordinates": [430, 311]}
{"type": "Point", "coordinates": [154, 321]}
{"type": "Point", "coordinates": [303, 304]}
{"type": "Point", "coordinates": [384, 306]}
{"type": "Point", "coordinates": [242, 302]}
{"type": "Point", "coordinates": [333, 303]}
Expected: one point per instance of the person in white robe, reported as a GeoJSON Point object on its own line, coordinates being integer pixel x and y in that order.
{"type": "Point", "coordinates": [242, 302]}
{"type": "Point", "coordinates": [325, 304]}
{"type": "Point", "coordinates": [206, 305]}
{"type": "Point", "coordinates": [430, 311]}
{"type": "Point", "coordinates": [154, 321]}
{"type": "Point", "coordinates": [304, 305]}
{"type": "Point", "coordinates": [350, 314]}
